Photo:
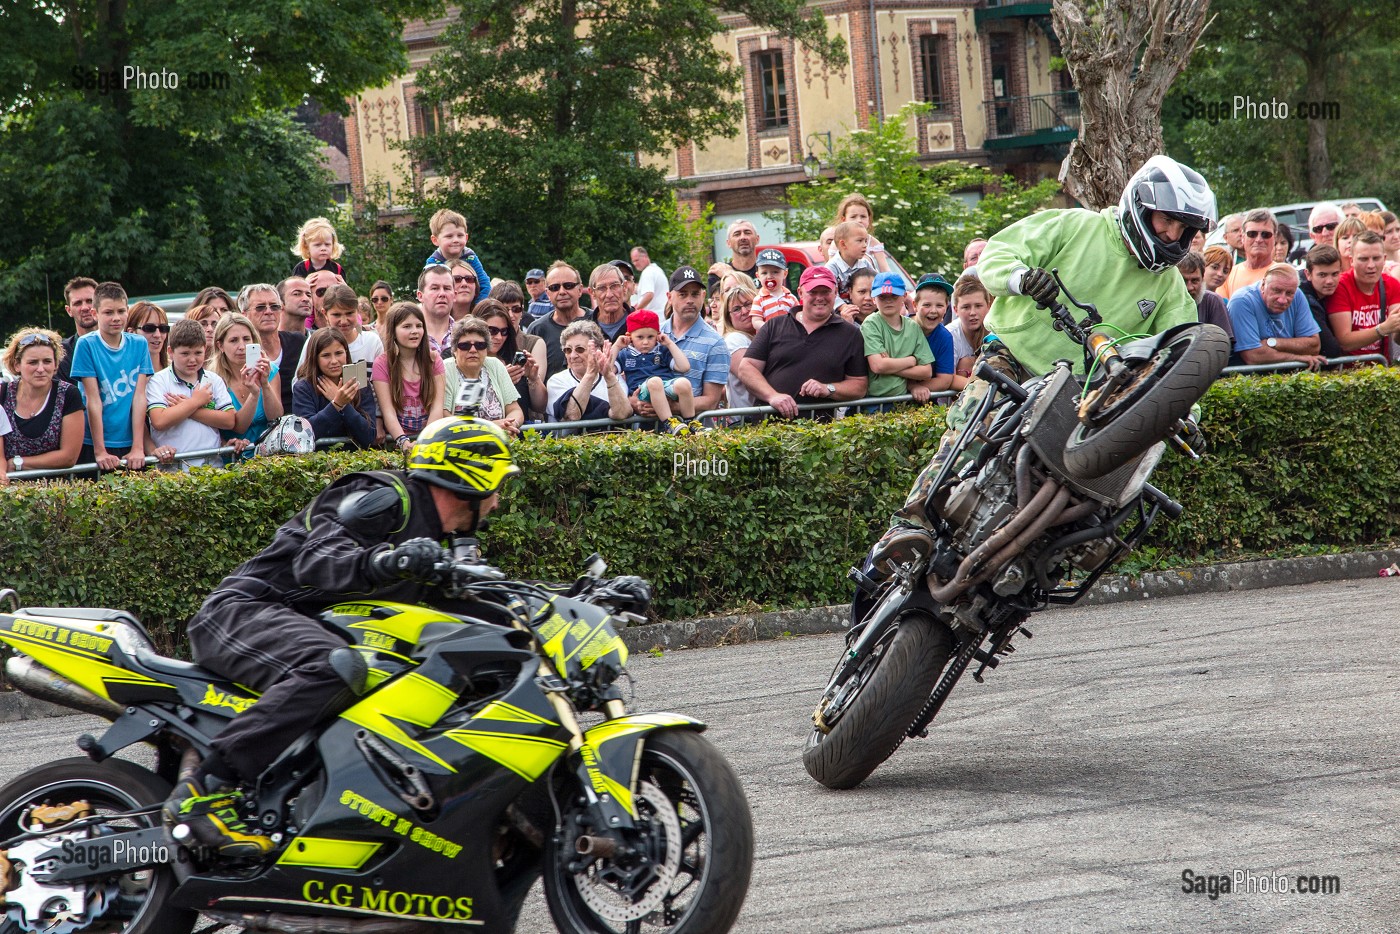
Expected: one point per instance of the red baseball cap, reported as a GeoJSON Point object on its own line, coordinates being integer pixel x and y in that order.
{"type": "Point", "coordinates": [638, 320]}
{"type": "Point", "coordinates": [816, 276]}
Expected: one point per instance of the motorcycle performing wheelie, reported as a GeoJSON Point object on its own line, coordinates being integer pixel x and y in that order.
{"type": "Point", "coordinates": [1045, 488]}
{"type": "Point", "coordinates": [486, 743]}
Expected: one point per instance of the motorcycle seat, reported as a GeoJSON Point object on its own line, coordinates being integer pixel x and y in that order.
{"type": "Point", "coordinates": [98, 614]}
{"type": "Point", "coordinates": [173, 667]}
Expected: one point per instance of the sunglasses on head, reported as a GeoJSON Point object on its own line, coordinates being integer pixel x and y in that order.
{"type": "Point", "coordinates": [562, 285]}
{"type": "Point", "coordinates": [497, 332]}
{"type": "Point", "coordinates": [35, 339]}
{"type": "Point", "coordinates": [152, 328]}
{"type": "Point", "coordinates": [1321, 227]}
{"type": "Point", "coordinates": [1259, 234]}
{"type": "Point", "coordinates": [471, 345]}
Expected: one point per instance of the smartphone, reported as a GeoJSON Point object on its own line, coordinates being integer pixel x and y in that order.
{"type": "Point", "coordinates": [254, 356]}
{"type": "Point", "coordinates": [520, 358]}
{"type": "Point", "coordinates": [358, 371]}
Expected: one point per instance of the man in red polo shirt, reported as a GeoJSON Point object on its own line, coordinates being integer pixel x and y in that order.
{"type": "Point", "coordinates": [1354, 310]}
{"type": "Point", "coordinates": [812, 354]}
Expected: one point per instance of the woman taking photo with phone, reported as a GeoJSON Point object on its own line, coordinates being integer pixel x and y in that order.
{"type": "Point", "coordinates": [332, 400]}
{"type": "Point", "coordinates": [251, 379]}
{"type": "Point", "coordinates": [408, 376]}
{"type": "Point", "coordinates": [477, 383]}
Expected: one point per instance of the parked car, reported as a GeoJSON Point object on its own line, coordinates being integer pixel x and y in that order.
{"type": "Point", "coordinates": [803, 254]}
{"type": "Point", "coordinates": [174, 304]}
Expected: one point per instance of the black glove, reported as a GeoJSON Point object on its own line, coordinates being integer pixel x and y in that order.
{"type": "Point", "coordinates": [1038, 284]}
{"type": "Point", "coordinates": [415, 559]}
{"type": "Point", "coordinates": [631, 593]}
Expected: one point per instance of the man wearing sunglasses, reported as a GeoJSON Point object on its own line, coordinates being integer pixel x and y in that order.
{"type": "Point", "coordinates": [1322, 223]}
{"type": "Point", "coordinates": [1259, 231]}
{"type": "Point", "coordinates": [320, 281]}
{"type": "Point", "coordinates": [563, 286]}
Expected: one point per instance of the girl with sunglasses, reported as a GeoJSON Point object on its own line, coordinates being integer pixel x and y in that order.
{"type": "Point", "coordinates": [477, 383]}
{"type": "Point", "coordinates": [46, 412]}
{"type": "Point", "coordinates": [148, 320]}
{"type": "Point", "coordinates": [508, 345]}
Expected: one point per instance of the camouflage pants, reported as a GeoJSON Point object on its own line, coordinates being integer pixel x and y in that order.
{"type": "Point", "coordinates": [995, 355]}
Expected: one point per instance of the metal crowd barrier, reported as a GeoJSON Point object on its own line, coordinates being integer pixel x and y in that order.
{"type": "Point", "coordinates": [550, 427]}
{"type": "Point", "coordinates": [1296, 365]}
{"type": "Point", "coordinates": [78, 470]}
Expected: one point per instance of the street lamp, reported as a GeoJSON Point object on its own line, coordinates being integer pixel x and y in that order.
{"type": "Point", "coordinates": [812, 166]}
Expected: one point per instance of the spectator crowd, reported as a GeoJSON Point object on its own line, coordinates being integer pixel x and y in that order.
{"type": "Point", "coordinates": [628, 340]}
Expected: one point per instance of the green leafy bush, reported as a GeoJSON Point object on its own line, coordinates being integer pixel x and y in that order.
{"type": "Point", "coordinates": [1294, 460]}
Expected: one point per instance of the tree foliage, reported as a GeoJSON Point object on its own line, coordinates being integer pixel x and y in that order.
{"type": "Point", "coordinates": [1296, 53]}
{"type": "Point", "coordinates": [560, 109]}
{"type": "Point", "coordinates": [918, 214]}
{"type": "Point", "coordinates": [117, 174]}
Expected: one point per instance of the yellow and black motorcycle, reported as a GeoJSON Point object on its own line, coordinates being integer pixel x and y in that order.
{"type": "Point", "coordinates": [460, 775]}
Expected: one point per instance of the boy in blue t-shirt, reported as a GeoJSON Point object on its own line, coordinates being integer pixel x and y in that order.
{"type": "Point", "coordinates": [656, 374]}
{"type": "Point", "coordinates": [111, 368]}
{"type": "Point", "coordinates": [449, 235]}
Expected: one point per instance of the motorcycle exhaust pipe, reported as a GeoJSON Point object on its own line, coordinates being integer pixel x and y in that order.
{"type": "Point", "coordinates": [39, 682]}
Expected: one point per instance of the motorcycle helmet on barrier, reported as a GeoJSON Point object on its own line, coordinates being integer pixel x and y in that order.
{"type": "Point", "coordinates": [1163, 184]}
{"type": "Point", "coordinates": [469, 456]}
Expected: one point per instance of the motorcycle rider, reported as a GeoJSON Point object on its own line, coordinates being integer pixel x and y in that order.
{"type": "Point", "coordinates": [1120, 253]}
{"type": "Point", "coordinates": [372, 535]}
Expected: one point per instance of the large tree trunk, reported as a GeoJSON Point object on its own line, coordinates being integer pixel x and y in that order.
{"type": "Point", "coordinates": [1123, 56]}
{"type": "Point", "coordinates": [1319, 160]}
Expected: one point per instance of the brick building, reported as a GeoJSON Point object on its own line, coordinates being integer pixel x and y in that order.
{"type": "Point", "coordinates": [985, 65]}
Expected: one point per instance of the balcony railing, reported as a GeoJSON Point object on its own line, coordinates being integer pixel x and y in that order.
{"type": "Point", "coordinates": [1037, 120]}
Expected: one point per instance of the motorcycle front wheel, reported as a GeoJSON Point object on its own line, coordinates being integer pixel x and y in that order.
{"type": "Point", "coordinates": [691, 855]}
{"type": "Point", "coordinates": [1145, 411]}
{"type": "Point", "coordinates": [894, 682]}
{"type": "Point", "coordinates": [134, 903]}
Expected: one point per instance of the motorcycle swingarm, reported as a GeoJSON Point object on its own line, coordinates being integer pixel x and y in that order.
{"type": "Point", "coordinates": [608, 762]}
{"type": "Point", "coordinates": [105, 855]}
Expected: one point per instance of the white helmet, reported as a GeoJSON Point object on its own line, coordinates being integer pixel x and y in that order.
{"type": "Point", "coordinates": [1163, 184]}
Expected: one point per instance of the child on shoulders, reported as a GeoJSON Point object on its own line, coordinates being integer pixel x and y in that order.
{"type": "Point", "coordinates": [318, 248]}
{"type": "Point", "coordinates": [773, 297]}
{"type": "Point", "coordinates": [449, 235]}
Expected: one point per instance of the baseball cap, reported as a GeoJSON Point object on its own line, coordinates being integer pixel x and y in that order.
{"type": "Point", "coordinates": [534, 274]}
{"type": "Point", "coordinates": [683, 276]}
{"type": "Point", "coordinates": [772, 257]}
{"type": "Point", "coordinates": [932, 280]}
{"type": "Point", "coordinates": [623, 267]}
{"type": "Point", "coordinates": [643, 319]}
{"type": "Point", "coordinates": [888, 283]}
{"type": "Point", "coordinates": [816, 277]}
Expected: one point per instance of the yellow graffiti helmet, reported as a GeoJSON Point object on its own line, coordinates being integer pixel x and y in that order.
{"type": "Point", "coordinates": [469, 456]}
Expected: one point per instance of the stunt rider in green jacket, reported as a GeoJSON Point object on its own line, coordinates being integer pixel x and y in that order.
{"type": "Point", "coordinates": [1117, 255]}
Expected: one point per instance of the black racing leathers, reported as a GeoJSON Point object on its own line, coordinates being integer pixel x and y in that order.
{"type": "Point", "coordinates": [258, 628]}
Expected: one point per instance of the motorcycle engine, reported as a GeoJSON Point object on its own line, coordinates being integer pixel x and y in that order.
{"type": "Point", "coordinates": [980, 504]}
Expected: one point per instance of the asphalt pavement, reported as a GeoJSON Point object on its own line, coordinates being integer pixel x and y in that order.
{"type": "Point", "coordinates": [1251, 736]}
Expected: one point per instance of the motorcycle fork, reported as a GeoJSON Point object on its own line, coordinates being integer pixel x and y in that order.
{"type": "Point", "coordinates": [603, 807]}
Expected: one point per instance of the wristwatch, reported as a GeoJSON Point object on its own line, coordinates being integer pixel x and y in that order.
{"type": "Point", "coordinates": [831, 389]}
{"type": "Point", "coordinates": [18, 462]}
{"type": "Point", "coordinates": [1271, 343]}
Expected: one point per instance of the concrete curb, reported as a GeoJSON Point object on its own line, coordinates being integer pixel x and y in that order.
{"type": "Point", "coordinates": [733, 630]}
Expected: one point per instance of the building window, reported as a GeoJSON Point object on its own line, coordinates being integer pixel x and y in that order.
{"type": "Point", "coordinates": [772, 90]}
{"type": "Point", "coordinates": [431, 120]}
{"type": "Point", "coordinates": [933, 71]}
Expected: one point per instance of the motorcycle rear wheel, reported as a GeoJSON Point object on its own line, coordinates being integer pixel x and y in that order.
{"type": "Point", "coordinates": [1147, 410]}
{"type": "Point", "coordinates": [693, 813]}
{"type": "Point", "coordinates": [112, 786]}
{"type": "Point", "coordinates": [873, 723]}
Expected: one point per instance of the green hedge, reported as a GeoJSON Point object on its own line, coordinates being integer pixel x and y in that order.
{"type": "Point", "coordinates": [1294, 460]}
